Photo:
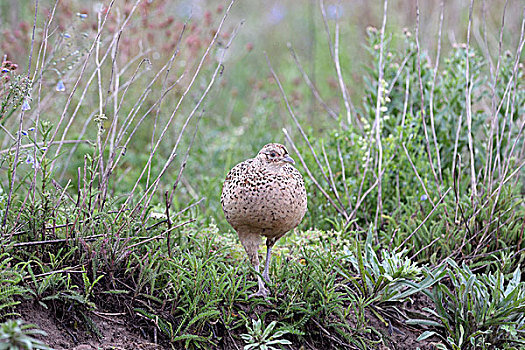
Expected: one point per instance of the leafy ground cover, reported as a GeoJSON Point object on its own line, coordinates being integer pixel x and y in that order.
{"type": "Point", "coordinates": [120, 120]}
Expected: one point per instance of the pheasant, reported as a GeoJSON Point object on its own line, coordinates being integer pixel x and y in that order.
{"type": "Point", "coordinates": [264, 196]}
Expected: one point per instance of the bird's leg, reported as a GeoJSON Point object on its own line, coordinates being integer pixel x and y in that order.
{"type": "Point", "coordinates": [269, 245]}
{"type": "Point", "coordinates": [266, 271]}
{"type": "Point", "coordinates": [262, 291]}
{"type": "Point", "coordinates": [251, 244]}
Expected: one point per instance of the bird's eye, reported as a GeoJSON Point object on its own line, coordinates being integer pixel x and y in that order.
{"type": "Point", "coordinates": [273, 155]}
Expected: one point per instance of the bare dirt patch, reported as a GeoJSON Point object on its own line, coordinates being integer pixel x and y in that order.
{"type": "Point", "coordinates": [114, 331]}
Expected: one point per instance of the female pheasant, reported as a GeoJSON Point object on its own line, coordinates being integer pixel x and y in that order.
{"type": "Point", "coordinates": [264, 196]}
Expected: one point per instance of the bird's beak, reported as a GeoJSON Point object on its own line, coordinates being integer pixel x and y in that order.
{"type": "Point", "coordinates": [288, 159]}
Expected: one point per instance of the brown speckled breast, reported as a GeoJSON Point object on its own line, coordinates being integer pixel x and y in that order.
{"type": "Point", "coordinates": [264, 199]}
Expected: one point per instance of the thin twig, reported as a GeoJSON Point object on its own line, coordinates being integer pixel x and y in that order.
{"type": "Point", "coordinates": [160, 236]}
{"type": "Point", "coordinates": [32, 40]}
{"type": "Point", "coordinates": [312, 87]}
{"type": "Point", "coordinates": [342, 85]}
{"type": "Point", "coordinates": [216, 73]}
{"type": "Point", "coordinates": [168, 221]}
{"type": "Point", "coordinates": [101, 117]}
{"type": "Point", "coordinates": [377, 123]}
{"type": "Point", "coordinates": [431, 98]}
{"type": "Point", "coordinates": [424, 220]}
{"type": "Point", "coordinates": [343, 175]}
{"type": "Point", "coordinates": [494, 119]}
{"type": "Point", "coordinates": [417, 175]}
{"type": "Point", "coordinates": [49, 273]}
{"type": "Point", "coordinates": [19, 138]}
{"type": "Point", "coordinates": [79, 79]}
{"type": "Point", "coordinates": [331, 176]}
{"type": "Point", "coordinates": [508, 155]}
{"type": "Point", "coordinates": [334, 54]}
{"type": "Point", "coordinates": [326, 195]}
{"type": "Point", "coordinates": [185, 159]}
{"type": "Point", "coordinates": [468, 107]}
{"type": "Point", "coordinates": [39, 145]}
{"type": "Point", "coordinates": [54, 241]}
{"type": "Point", "coordinates": [176, 109]}
{"type": "Point", "coordinates": [341, 210]}
{"type": "Point", "coordinates": [422, 95]}
{"type": "Point", "coordinates": [168, 66]}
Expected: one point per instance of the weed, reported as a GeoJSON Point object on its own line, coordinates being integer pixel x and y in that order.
{"type": "Point", "coordinates": [478, 311]}
{"type": "Point", "coordinates": [17, 335]}
{"type": "Point", "coordinates": [10, 288]}
{"type": "Point", "coordinates": [262, 338]}
{"type": "Point", "coordinates": [394, 277]}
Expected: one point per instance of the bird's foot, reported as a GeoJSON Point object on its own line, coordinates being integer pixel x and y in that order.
{"type": "Point", "coordinates": [262, 292]}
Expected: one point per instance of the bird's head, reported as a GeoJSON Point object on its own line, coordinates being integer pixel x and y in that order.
{"type": "Point", "coordinates": [275, 154]}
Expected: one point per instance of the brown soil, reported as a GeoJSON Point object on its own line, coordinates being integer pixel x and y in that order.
{"type": "Point", "coordinates": [114, 333]}
{"type": "Point", "coordinates": [401, 335]}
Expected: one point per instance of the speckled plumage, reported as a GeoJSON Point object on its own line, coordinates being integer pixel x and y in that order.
{"type": "Point", "coordinates": [264, 196]}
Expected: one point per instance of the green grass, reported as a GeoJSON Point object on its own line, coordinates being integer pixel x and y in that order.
{"type": "Point", "coordinates": [110, 184]}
